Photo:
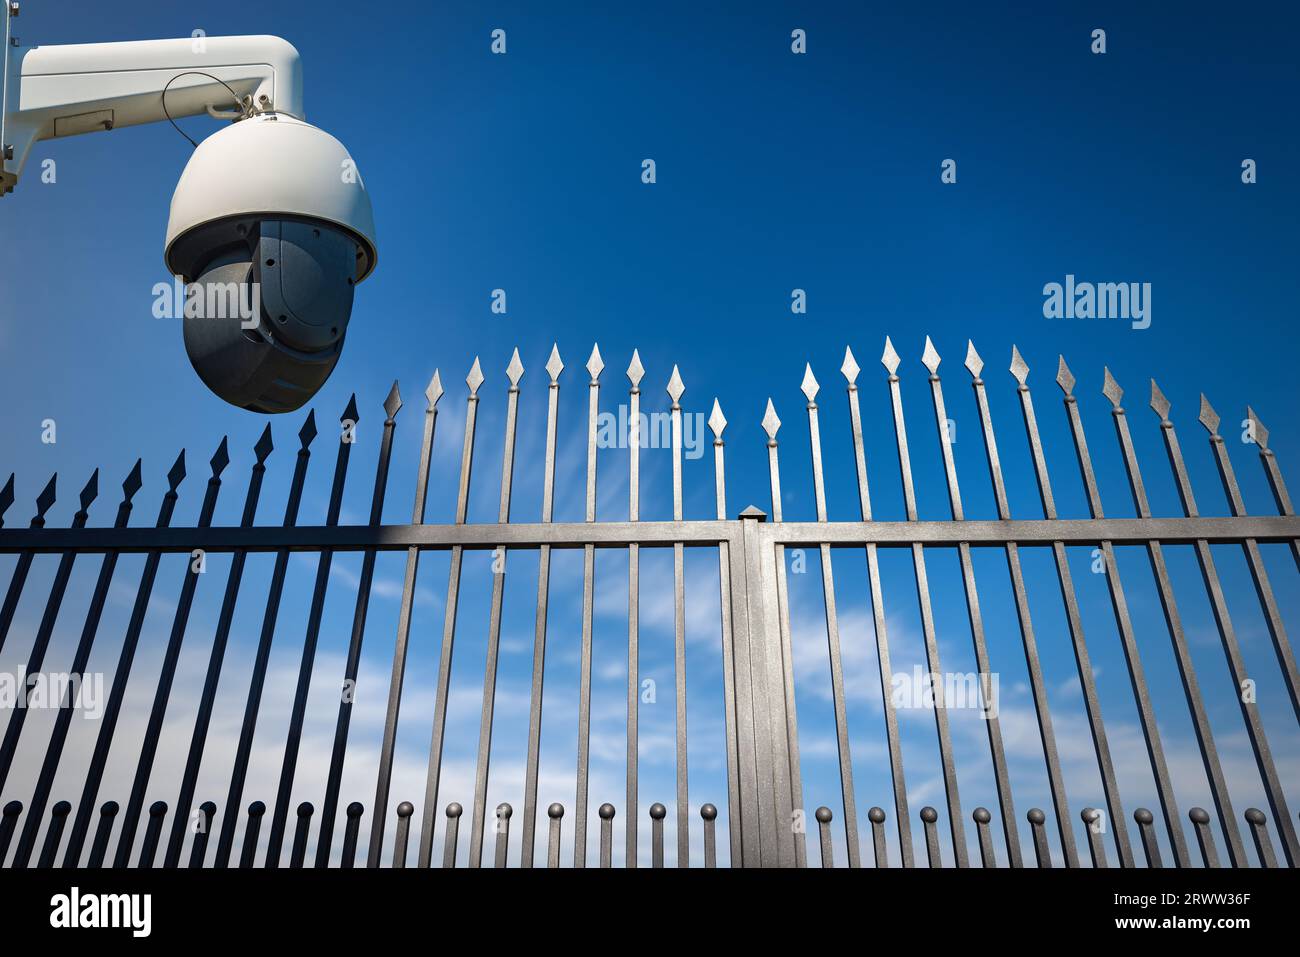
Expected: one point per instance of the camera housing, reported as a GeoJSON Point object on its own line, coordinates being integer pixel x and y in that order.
{"type": "Point", "coordinates": [271, 224]}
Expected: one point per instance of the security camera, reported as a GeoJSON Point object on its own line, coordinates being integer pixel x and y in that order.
{"type": "Point", "coordinates": [271, 227]}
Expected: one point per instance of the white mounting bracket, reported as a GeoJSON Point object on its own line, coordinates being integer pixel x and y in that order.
{"type": "Point", "coordinates": [56, 91]}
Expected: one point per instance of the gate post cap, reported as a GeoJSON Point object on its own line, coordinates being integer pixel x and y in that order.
{"type": "Point", "coordinates": [754, 512]}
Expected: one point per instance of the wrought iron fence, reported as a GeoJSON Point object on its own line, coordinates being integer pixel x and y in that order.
{"type": "Point", "coordinates": [764, 793]}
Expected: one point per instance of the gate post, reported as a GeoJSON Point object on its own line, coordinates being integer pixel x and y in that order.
{"type": "Point", "coordinates": [767, 802]}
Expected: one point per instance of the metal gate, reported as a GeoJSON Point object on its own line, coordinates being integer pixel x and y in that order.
{"type": "Point", "coordinates": [766, 821]}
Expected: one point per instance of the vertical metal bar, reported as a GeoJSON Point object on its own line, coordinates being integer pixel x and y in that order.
{"type": "Point", "coordinates": [1041, 851]}
{"type": "Point", "coordinates": [928, 818]}
{"type": "Point", "coordinates": [710, 815]}
{"type": "Point", "coordinates": [58, 818]}
{"type": "Point", "coordinates": [1155, 553]}
{"type": "Point", "coordinates": [298, 850]}
{"type": "Point", "coordinates": [769, 606]}
{"type": "Point", "coordinates": [44, 502]}
{"type": "Point", "coordinates": [1132, 657]}
{"type": "Point", "coordinates": [298, 712]}
{"type": "Point", "coordinates": [1259, 831]}
{"type": "Point", "coordinates": [256, 810]}
{"type": "Point", "coordinates": [108, 722]}
{"type": "Point", "coordinates": [171, 658]}
{"type": "Point", "coordinates": [203, 827]}
{"type": "Point", "coordinates": [402, 837]}
{"type": "Point", "coordinates": [334, 778]}
{"type": "Point", "coordinates": [1042, 708]}
{"type": "Point", "coordinates": [45, 630]}
{"type": "Point", "coordinates": [606, 812]}
{"type": "Point", "coordinates": [890, 361]}
{"type": "Point", "coordinates": [513, 371]}
{"type": "Point", "coordinates": [810, 389]}
{"type": "Point", "coordinates": [103, 832]}
{"type": "Point", "coordinates": [555, 812]}
{"type": "Point", "coordinates": [216, 656]}
{"type": "Point", "coordinates": [657, 814]}
{"type": "Point", "coordinates": [768, 727]}
{"type": "Point", "coordinates": [876, 816]}
{"type": "Point", "coordinates": [850, 370]}
{"type": "Point", "coordinates": [717, 423]}
{"type": "Point", "coordinates": [1093, 825]}
{"type": "Point", "coordinates": [383, 780]}
{"type": "Point", "coordinates": [1145, 821]}
{"type": "Point", "coordinates": [1228, 636]}
{"type": "Point", "coordinates": [454, 811]}
{"type": "Point", "coordinates": [430, 810]}
{"type": "Point", "coordinates": [635, 371]}
{"type": "Point", "coordinates": [1083, 662]}
{"type": "Point", "coordinates": [594, 366]}
{"type": "Point", "coordinates": [152, 832]}
{"type": "Point", "coordinates": [80, 660]}
{"type": "Point", "coordinates": [675, 390]}
{"type": "Point", "coordinates": [1263, 588]}
{"type": "Point", "coordinates": [748, 852]}
{"type": "Point", "coordinates": [554, 366]}
{"type": "Point", "coordinates": [1204, 836]}
{"type": "Point", "coordinates": [982, 817]}
{"type": "Point", "coordinates": [350, 829]}
{"type": "Point", "coordinates": [8, 821]}
{"type": "Point", "coordinates": [504, 811]}
{"type": "Point", "coordinates": [1266, 457]}
{"type": "Point", "coordinates": [262, 657]}
{"type": "Point", "coordinates": [824, 816]}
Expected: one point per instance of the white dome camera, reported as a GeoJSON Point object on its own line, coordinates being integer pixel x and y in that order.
{"type": "Point", "coordinates": [271, 226]}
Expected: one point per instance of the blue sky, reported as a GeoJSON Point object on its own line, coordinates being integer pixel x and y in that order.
{"type": "Point", "coordinates": [775, 172]}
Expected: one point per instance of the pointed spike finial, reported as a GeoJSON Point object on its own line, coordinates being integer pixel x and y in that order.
{"type": "Point", "coordinates": [849, 368]}
{"type": "Point", "coordinates": [675, 386]}
{"type": "Point", "coordinates": [91, 491]}
{"type": "Point", "coordinates": [1019, 367]}
{"type": "Point", "coordinates": [770, 422]}
{"type": "Point", "coordinates": [7, 494]}
{"type": "Point", "coordinates": [930, 357]}
{"type": "Point", "coordinates": [717, 422]}
{"type": "Point", "coordinates": [595, 364]}
{"type": "Point", "coordinates": [1111, 390]}
{"type": "Point", "coordinates": [350, 414]}
{"type": "Point", "coordinates": [635, 370]}
{"type": "Point", "coordinates": [1208, 417]}
{"type": "Point", "coordinates": [433, 391]}
{"type": "Point", "coordinates": [308, 430]}
{"type": "Point", "coordinates": [1064, 377]}
{"type": "Point", "coordinates": [1159, 404]}
{"type": "Point", "coordinates": [264, 445]}
{"type": "Point", "coordinates": [220, 458]}
{"type": "Point", "coordinates": [45, 500]}
{"type": "Point", "coordinates": [176, 474]}
{"type": "Point", "coordinates": [515, 370]}
{"type": "Point", "coordinates": [393, 402]}
{"type": "Point", "coordinates": [1256, 429]}
{"type": "Point", "coordinates": [890, 357]}
{"type": "Point", "coordinates": [132, 483]}
{"type": "Point", "coordinates": [809, 386]}
{"type": "Point", "coordinates": [554, 365]}
{"type": "Point", "coordinates": [475, 378]}
{"type": "Point", "coordinates": [973, 361]}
